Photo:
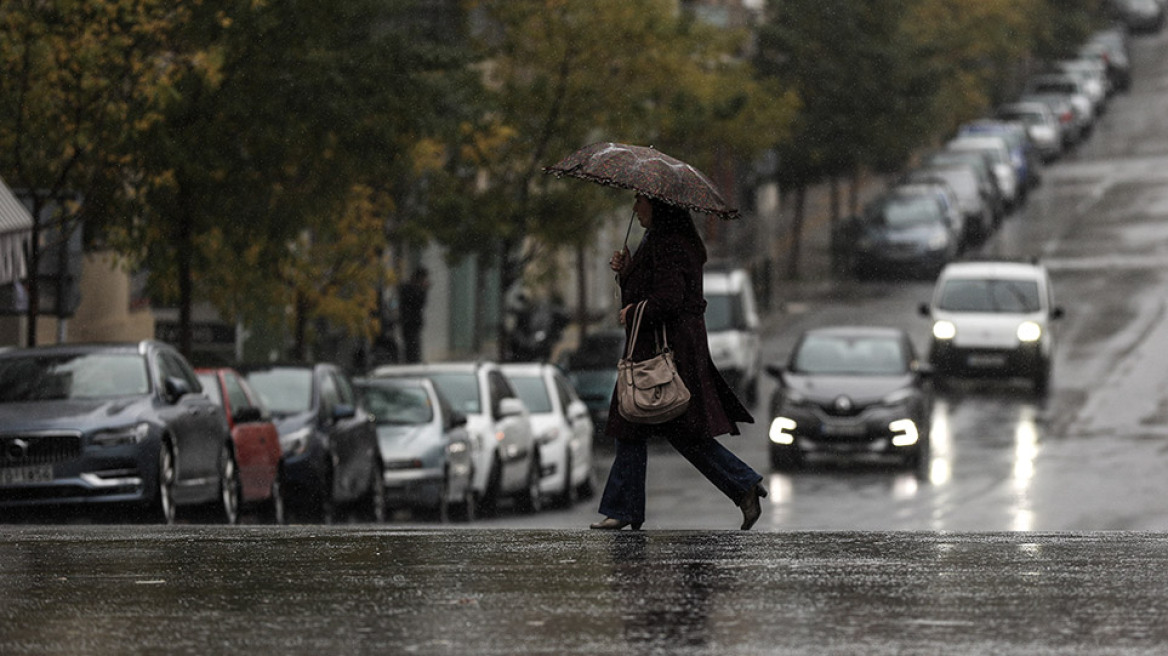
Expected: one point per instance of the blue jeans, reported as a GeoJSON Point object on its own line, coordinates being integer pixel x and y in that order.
{"type": "Point", "coordinates": [624, 493]}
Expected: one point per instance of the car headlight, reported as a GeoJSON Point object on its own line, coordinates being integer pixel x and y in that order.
{"type": "Point", "coordinates": [1029, 331]}
{"type": "Point", "coordinates": [944, 330]}
{"type": "Point", "coordinates": [121, 435]}
{"type": "Point", "coordinates": [904, 432]}
{"type": "Point", "coordinates": [781, 428]}
{"type": "Point", "coordinates": [898, 397]}
{"type": "Point", "coordinates": [296, 442]}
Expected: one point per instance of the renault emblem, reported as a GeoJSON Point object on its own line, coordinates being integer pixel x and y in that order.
{"type": "Point", "coordinates": [15, 449]}
{"type": "Point", "coordinates": [843, 404]}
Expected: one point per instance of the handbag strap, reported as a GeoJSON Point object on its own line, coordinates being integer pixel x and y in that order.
{"type": "Point", "coordinates": [638, 312]}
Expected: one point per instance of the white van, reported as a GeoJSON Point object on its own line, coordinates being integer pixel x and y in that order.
{"type": "Point", "coordinates": [732, 324]}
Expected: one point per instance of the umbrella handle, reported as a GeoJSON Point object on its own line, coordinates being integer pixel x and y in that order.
{"type": "Point", "coordinates": [628, 231]}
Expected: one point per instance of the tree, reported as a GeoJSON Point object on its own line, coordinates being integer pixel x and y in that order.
{"type": "Point", "coordinates": [82, 79]}
{"type": "Point", "coordinates": [866, 96]}
{"type": "Point", "coordinates": [298, 102]}
{"type": "Point", "coordinates": [560, 74]}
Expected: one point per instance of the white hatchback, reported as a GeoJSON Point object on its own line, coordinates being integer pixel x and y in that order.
{"type": "Point", "coordinates": [993, 318]}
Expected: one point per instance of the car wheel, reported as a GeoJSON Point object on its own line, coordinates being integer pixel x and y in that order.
{"type": "Point", "coordinates": [568, 496]}
{"type": "Point", "coordinates": [275, 511]}
{"type": "Point", "coordinates": [466, 510]}
{"type": "Point", "coordinates": [161, 509]}
{"type": "Point", "coordinates": [489, 504]}
{"type": "Point", "coordinates": [530, 499]}
{"type": "Point", "coordinates": [229, 494]}
{"type": "Point", "coordinates": [374, 501]}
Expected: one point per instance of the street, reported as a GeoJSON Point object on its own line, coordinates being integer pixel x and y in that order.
{"type": "Point", "coordinates": [1040, 527]}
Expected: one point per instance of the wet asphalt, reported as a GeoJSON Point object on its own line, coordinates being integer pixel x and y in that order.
{"type": "Point", "coordinates": [376, 590]}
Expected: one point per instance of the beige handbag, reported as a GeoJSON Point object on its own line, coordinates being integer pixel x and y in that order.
{"type": "Point", "coordinates": [650, 391]}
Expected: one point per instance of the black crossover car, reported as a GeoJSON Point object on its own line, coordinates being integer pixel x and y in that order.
{"type": "Point", "coordinates": [123, 424]}
{"type": "Point", "coordinates": [331, 457]}
{"type": "Point", "coordinates": [851, 391]}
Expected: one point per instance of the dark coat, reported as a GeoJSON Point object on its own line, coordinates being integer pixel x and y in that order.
{"type": "Point", "coordinates": [666, 271]}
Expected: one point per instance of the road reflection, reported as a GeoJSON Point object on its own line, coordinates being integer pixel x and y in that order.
{"type": "Point", "coordinates": [1025, 453]}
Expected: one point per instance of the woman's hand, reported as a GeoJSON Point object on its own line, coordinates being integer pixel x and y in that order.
{"type": "Point", "coordinates": [624, 313]}
{"type": "Point", "coordinates": [620, 260]}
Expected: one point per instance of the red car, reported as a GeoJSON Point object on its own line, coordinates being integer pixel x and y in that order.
{"type": "Point", "coordinates": [257, 444]}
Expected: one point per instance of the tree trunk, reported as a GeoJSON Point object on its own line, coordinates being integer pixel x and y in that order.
{"type": "Point", "coordinates": [796, 241]}
{"type": "Point", "coordinates": [582, 289]}
{"type": "Point", "coordinates": [184, 256]}
{"type": "Point", "coordinates": [33, 291]}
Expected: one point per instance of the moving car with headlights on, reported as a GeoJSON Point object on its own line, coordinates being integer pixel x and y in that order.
{"type": "Point", "coordinates": [562, 427]}
{"type": "Point", "coordinates": [331, 458]}
{"type": "Point", "coordinates": [851, 391]}
{"type": "Point", "coordinates": [993, 319]}
{"type": "Point", "coordinates": [426, 451]}
{"type": "Point", "coordinates": [257, 444]}
{"type": "Point", "coordinates": [100, 425]}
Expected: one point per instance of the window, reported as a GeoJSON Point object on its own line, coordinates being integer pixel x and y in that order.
{"type": "Point", "coordinates": [533, 393]}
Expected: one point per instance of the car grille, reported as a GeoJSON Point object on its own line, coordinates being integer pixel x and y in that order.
{"type": "Point", "coordinates": [38, 449]}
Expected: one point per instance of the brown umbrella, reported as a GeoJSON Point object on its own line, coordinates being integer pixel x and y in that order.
{"type": "Point", "coordinates": [648, 171]}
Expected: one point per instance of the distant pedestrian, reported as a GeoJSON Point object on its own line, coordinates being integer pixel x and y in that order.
{"type": "Point", "coordinates": [411, 308]}
{"type": "Point", "coordinates": [667, 273]}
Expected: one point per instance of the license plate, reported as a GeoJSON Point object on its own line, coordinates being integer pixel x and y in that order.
{"type": "Point", "coordinates": [844, 430]}
{"type": "Point", "coordinates": [987, 361]}
{"type": "Point", "coordinates": [22, 475]}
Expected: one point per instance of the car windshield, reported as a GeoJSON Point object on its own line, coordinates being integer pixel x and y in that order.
{"type": "Point", "coordinates": [594, 385]}
{"type": "Point", "coordinates": [72, 376]}
{"type": "Point", "coordinates": [284, 391]}
{"type": "Point", "coordinates": [724, 312]}
{"type": "Point", "coordinates": [850, 356]}
{"type": "Point", "coordinates": [532, 392]}
{"type": "Point", "coordinates": [990, 295]}
{"type": "Point", "coordinates": [906, 211]}
{"type": "Point", "coordinates": [397, 405]}
{"type": "Point", "coordinates": [461, 390]}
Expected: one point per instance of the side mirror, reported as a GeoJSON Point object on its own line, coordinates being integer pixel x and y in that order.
{"type": "Point", "coordinates": [923, 369]}
{"type": "Point", "coordinates": [247, 415]}
{"type": "Point", "coordinates": [343, 411]}
{"type": "Point", "coordinates": [510, 407]}
{"type": "Point", "coordinates": [775, 371]}
{"type": "Point", "coordinates": [1057, 313]}
{"type": "Point", "coordinates": [176, 388]}
{"type": "Point", "coordinates": [924, 311]}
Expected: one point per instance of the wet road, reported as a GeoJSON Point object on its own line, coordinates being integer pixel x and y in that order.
{"type": "Point", "coordinates": [341, 590]}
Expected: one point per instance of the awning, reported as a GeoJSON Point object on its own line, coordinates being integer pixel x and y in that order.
{"type": "Point", "coordinates": [15, 233]}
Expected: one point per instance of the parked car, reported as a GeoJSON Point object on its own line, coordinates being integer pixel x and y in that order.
{"type": "Point", "coordinates": [507, 464]}
{"type": "Point", "coordinates": [1092, 75]}
{"type": "Point", "coordinates": [851, 391]}
{"type": "Point", "coordinates": [591, 368]}
{"type": "Point", "coordinates": [257, 443]}
{"type": "Point", "coordinates": [562, 427]}
{"type": "Point", "coordinates": [905, 232]}
{"type": "Point", "coordinates": [997, 151]}
{"type": "Point", "coordinates": [101, 425]}
{"type": "Point", "coordinates": [1065, 86]}
{"type": "Point", "coordinates": [1023, 155]}
{"type": "Point", "coordinates": [331, 458]}
{"type": "Point", "coordinates": [977, 217]}
{"type": "Point", "coordinates": [426, 450]}
{"type": "Point", "coordinates": [1042, 126]}
{"type": "Point", "coordinates": [987, 181]}
{"type": "Point", "coordinates": [993, 318]}
{"type": "Point", "coordinates": [1110, 47]}
{"type": "Point", "coordinates": [732, 326]}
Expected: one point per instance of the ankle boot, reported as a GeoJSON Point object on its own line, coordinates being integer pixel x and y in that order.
{"type": "Point", "coordinates": [613, 524]}
{"type": "Point", "coordinates": [751, 508]}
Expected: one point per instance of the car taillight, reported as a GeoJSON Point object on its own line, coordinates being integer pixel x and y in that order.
{"type": "Point", "coordinates": [1066, 117]}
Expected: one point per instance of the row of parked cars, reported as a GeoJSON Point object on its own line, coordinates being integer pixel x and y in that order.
{"type": "Point", "coordinates": [135, 429]}
{"type": "Point", "coordinates": [956, 196]}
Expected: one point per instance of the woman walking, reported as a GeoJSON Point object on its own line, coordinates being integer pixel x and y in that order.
{"type": "Point", "coordinates": [666, 272]}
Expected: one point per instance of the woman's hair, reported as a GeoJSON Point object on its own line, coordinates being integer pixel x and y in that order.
{"type": "Point", "coordinates": [671, 218]}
